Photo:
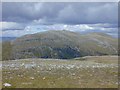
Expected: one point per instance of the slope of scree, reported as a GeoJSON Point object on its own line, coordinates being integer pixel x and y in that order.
{"type": "Point", "coordinates": [63, 45]}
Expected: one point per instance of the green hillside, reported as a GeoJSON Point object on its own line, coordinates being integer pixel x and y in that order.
{"type": "Point", "coordinates": [63, 45]}
{"type": "Point", "coordinates": [6, 50]}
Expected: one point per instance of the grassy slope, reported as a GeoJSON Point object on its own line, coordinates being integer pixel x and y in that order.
{"type": "Point", "coordinates": [0, 51]}
{"type": "Point", "coordinates": [63, 44]}
{"type": "Point", "coordinates": [0, 64]}
{"type": "Point", "coordinates": [90, 72]}
{"type": "Point", "coordinates": [6, 50]}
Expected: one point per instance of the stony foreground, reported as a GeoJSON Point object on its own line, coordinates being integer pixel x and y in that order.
{"type": "Point", "coordinates": [87, 72]}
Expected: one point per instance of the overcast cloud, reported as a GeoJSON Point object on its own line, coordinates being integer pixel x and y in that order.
{"type": "Point", "coordinates": [35, 17]}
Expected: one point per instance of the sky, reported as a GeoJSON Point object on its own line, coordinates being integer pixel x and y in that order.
{"type": "Point", "coordinates": [20, 18]}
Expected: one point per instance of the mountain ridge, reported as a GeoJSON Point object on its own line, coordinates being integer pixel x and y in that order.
{"type": "Point", "coordinates": [63, 45]}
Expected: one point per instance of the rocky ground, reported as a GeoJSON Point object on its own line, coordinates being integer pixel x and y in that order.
{"type": "Point", "coordinates": [86, 72]}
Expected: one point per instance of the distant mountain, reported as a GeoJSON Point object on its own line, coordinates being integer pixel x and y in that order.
{"type": "Point", "coordinates": [63, 45]}
{"type": "Point", "coordinates": [7, 38]}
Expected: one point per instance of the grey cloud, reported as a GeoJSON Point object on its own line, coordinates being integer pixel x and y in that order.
{"type": "Point", "coordinates": [65, 13]}
{"type": "Point", "coordinates": [23, 12]}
